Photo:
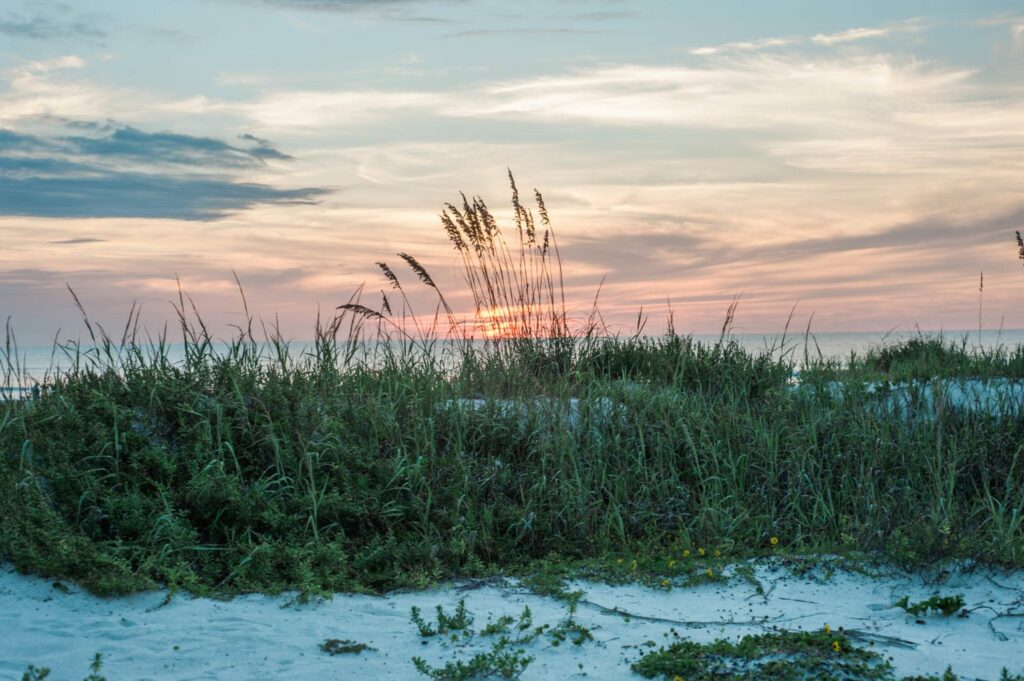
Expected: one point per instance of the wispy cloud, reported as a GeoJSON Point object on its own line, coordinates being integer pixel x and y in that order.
{"type": "Point", "coordinates": [313, 109]}
{"type": "Point", "coordinates": [484, 32]}
{"type": "Point", "coordinates": [850, 35]}
{"type": "Point", "coordinates": [593, 15]}
{"type": "Point", "coordinates": [756, 92]}
{"type": "Point", "coordinates": [335, 5]}
{"type": "Point", "coordinates": [78, 240]}
{"type": "Point", "coordinates": [745, 46]}
{"type": "Point", "coordinates": [50, 88]}
{"type": "Point", "coordinates": [825, 39]}
{"type": "Point", "coordinates": [42, 27]}
{"type": "Point", "coordinates": [1015, 24]}
{"type": "Point", "coordinates": [389, 10]}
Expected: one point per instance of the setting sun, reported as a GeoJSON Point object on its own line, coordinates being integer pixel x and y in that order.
{"type": "Point", "coordinates": [497, 323]}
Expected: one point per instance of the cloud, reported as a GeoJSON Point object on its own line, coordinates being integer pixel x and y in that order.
{"type": "Point", "coordinates": [744, 46]}
{"type": "Point", "coordinates": [391, 10]}
{"type": "Point", "coordinates": [336, 5]}
{"type": "Point", "coordinates": [263, 149]}
{"type": "Point", "coordinates": [826, 39]}
{"type": "Point", "coordinates": [689, 266]}
{"type": "Point", "coordinates": [1015, 24]}
{"type": "Point", "coordinates": [596, 15]}
{"type": "Point", "coordinates": [483, 32]}
{"type": "Point", "coordinates": [79, 240]}
{"type": "Point", "coordinates": [850, 35]}
{"type": "Point", "coordinates": [137, 195]}
{"type": "Point", "coordinates": [43, 88]}
{"type": "Point", "coordinates": [126, 172]}
{"type": "Point", "coordinates": [40, 27]}
{"type": "Point", "coordinates": [171, 148]}
{"type": "Point", "coordinates": [283, 110]}
{"type": "Point", "coordinates": [756, 92]}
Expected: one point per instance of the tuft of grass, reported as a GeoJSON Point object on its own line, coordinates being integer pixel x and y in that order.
{"type": "Point", "coordinates": [920, 358]}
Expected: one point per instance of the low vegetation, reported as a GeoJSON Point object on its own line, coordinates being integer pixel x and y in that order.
{"type": "Point", "coordinates": [33, 673]}
{"type": "Point", "coordinates": [397, 452]}
{"type": "Point", "coordinates": [942, 605]}
{"type": "Point", "coordinates": [776, 656]}
{"type": "Point", "coordinates": [507, 657]}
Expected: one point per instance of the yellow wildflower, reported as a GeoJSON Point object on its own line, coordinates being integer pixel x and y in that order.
{"type": "Point", "coordinates": [836, 647]}
{"type": "Point", "coordinates": [686, 553]}
{"type": "Point", "coordinates": [701, 551]}
{"type": "Point", "coordinates": [718, 553]}
{"type": "Point", "coordinates": [671, 564]}
{"type": "Point", "coordinates": [828, 629]}
{"type": "Point", "coordinates": [775, 541]}
{"type": "Point", "coordinates": [664, 582]}
{"type": "Point", "coordinates": [710, 573]}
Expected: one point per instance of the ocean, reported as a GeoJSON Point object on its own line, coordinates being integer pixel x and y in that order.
{"type": "Point", "coordinates": [37, 362]}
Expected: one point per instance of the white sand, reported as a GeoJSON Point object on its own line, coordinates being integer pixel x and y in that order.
{"type": "Point", "coordinates": [261, 637]}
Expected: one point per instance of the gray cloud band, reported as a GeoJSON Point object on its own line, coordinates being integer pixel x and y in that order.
{"type": "Point", "coordinates": [160, 175]}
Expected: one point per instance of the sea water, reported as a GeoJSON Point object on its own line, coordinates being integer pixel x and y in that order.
{"type": "Point", "coordinates": [37, 362]}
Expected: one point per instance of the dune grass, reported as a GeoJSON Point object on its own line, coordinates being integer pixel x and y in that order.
{"type": "Point", "coordinates": [922, 357]}
{"type": "Point", "coordinates": [355, 466]}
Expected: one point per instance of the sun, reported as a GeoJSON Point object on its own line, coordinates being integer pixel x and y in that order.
{"type": "Point", "coordinates": [497, 323]}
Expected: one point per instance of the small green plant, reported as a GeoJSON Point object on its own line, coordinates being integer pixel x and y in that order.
{"type": "Point", "coordinates": [425, 628]}
{"type": "Point", "coordinates": [503, 660]}
{"type": "Point", "coordinates": [507, 657]}
{"type": "Point", "coordinates": [499, 626]}
{"type": "Point", "coordinates": [569, 627]}
{"type": "Point", "coordinates": [460, 620]}
{"type": "Point", "coordinates": [94, 667]}
{"type": "Point", "coordinates": [944, 605]}
{"type": "Point", "coordinates": [334, 646]}
{"type": "Point", "coordinates": [33, 673]}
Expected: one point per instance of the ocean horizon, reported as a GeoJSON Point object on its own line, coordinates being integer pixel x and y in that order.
{"type": "Point", "coordinates": [36, 362]}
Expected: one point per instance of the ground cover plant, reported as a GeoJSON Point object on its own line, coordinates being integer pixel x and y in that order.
{"type": "Point", "coordinates": [507, 656]}
{"type": "Point", "coordinates": [776, 656]}
{"type": "Point", "coordinates": [943, 605]}
{"type": "Point", "coordinates": [402, 449]}
{"type": "Point", "coordinates": [33, 673]}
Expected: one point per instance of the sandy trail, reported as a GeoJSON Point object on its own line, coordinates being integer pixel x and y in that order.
{"type": "Point", "coordinates": [263, 637]}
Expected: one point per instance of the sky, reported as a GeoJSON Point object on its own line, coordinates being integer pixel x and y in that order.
{"type": "Point", "coordinates": [862, 161]}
